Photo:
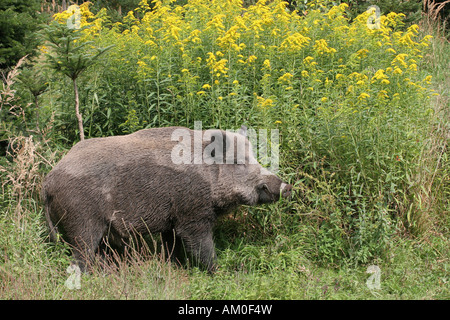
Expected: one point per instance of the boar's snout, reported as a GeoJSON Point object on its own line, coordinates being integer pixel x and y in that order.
{"type": "Point", "coordinates": [285, 190]}
{"type": "Point", "coordinates": [270, 191]}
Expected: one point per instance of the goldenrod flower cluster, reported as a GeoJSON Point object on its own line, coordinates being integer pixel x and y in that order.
{"type": "Point", "coordinates": [260, 57]}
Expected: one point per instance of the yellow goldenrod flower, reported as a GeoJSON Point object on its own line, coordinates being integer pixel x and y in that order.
{"type": "Point", "coordinates": [217, 67]}
{"type": "Point", "coordinates": [321, 47]}
{"type": "Point", "coordinates": [285, 77]}
{"type": "Point", "coordinates": [294, 42]}
{"type": "Point", "coordinates": [252, 58]}
{"type": "Point", "coordinates": [216, 22]}
{"type": "Point", "coordinates": [220, 66]}
{"type": "Point", "coordinates": [390, 50]}
{"type": "Point", "coordinates": [397, 70]}
{"type": "Point", "coordinates": [229, 39]}
{"type": "Point", "coordinates": [399, 60]}
{"type": "Point", "coordinates": [379, 75]}
{"type": "Point", "coordinates": [363, 96]}
{"type": "Point", "coordinates": [308, 60]}
{"type": "Point", "coordinates": [211, 59]}
{"type": "Point", "coordinates": [362, 53]}
{"type": "Point", "coordinates": [413, 29]}
{"type": "Point", "coordinates": [412, 67]}
{"type": "Point", "coordinates": [264, 103]}
{"type": "Point", "coordinates": [426, 40]}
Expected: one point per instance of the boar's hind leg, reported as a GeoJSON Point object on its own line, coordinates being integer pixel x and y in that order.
{"type": "Point", "coordinates": [85, 246]}
{"type": "Point", "coordinates": [198, 241]}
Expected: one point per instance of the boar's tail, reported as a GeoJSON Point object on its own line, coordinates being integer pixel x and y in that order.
{"type": "Point", "coordinates": [53, 230]}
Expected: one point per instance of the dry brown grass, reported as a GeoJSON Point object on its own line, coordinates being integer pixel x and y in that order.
{"type": "Point", "coordinates": [8, 99]}
{"type": "Point", "coordinates": [430, 210]}
{"type": "Point", "coordinates": [433, 8]}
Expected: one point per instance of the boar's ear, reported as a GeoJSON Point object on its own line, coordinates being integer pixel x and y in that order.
{"type": "Point", "coordinates": [243, 131]}
{"type": "Point", "coordinates": [214, 146]}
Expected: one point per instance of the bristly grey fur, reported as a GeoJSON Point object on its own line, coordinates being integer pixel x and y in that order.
{"type": "Point", "coordinates": [106, 187]}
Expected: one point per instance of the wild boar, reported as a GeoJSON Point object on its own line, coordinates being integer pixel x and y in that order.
{"type": "Point", "coordinates": [162, 180]}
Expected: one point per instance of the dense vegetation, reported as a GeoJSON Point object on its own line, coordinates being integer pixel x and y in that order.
{"type": "Point", "coordinates": [19, 20]}
{"type": "Point", "coordinates": [361, 105]}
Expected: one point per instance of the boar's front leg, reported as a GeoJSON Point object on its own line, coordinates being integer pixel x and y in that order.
{"type": "Point", "coordinates": [197, 237]}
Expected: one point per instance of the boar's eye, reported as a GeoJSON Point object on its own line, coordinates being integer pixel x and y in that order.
{"type": "Point", "coordinates": [264, 194]}
{"type": "Point", "coordinates": [264, 187]}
